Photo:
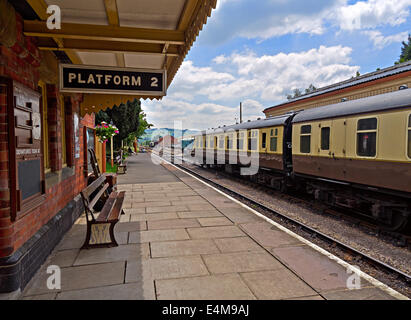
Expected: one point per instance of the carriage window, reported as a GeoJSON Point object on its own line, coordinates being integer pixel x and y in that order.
{"type": "Point", "coordinates": [273, 140]}
{"type": "Point", "coordinates": [229, 141]}
{"type": "Point", "coordinates": [367, 137]}
{"type": "Point", "coordinates": [305, 139]}
{"type": "Point", "coordinates": [325, 138]}
{"type": "Point", "coordinates": [273, 144]}
{"type": "Point", "coordinates": [367, 124]}
{"type": "Point", "coordinates": [221, 145]}
{"type": "Point", "coordinates": [409, 137]}
{"type": "Point", "coordinates": [264, 141]}
{"type": "Point", "coordinates": [252, 141]}
{"type": "Point", "coordinates": [240, 141]}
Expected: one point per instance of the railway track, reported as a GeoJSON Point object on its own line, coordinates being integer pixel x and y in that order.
{"type": "Point", "coordinates": [311, 233]}
{"type": "Point", "coordinates": [363, 221]}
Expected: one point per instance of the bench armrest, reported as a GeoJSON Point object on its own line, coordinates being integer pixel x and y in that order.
{"type": "Point", "coordinates": [111, 180]}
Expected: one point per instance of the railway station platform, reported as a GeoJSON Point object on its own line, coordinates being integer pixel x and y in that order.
{"type": "Point", "coordinates": [182, 239]}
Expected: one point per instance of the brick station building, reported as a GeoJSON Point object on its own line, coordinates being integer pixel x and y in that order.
{"type": "Point", "coordinates": [44, 132]}
{"type": "Point", "coordinates": [382, 81]}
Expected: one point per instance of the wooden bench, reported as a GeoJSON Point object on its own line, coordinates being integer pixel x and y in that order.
{"type": "Point", "coordinates": [100, 230]}
{"type": "Point", "coordinates": [121, 167]}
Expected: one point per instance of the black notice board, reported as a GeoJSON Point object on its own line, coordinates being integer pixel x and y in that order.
{"type": "Point", "coordinates": [29, 178]}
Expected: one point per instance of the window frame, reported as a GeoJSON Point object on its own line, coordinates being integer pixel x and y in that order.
{"type": "Point", "coordinates": [240, 138]}
{"type": "Point", "coordinates": [252, 135]}
{"type": "Point", "coordinates": [45, 127]}
{"type": "Point", "coordinates": [367, 131]}
{"type": "Point", "coordinates": [305, 135]}
{"type": "Point", "coordinates": [273, 134]}
{"type": "Point", "coordinates": [264, 140]}
{"type": "Point", "coordinates": [230, 141]}
{"type": "Point", "coordinates": [63, 132]}
{"type": "Point", "coordinates": [221, 139]}
{"type": "Point", "coordinates": [329, 138]}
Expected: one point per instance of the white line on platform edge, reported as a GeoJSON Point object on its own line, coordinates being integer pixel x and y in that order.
{"type": "Point", "coordinates": [341, 262]}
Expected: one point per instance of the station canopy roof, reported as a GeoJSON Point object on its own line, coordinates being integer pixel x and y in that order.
{"type": "Point", "coordinates": [146, 34]}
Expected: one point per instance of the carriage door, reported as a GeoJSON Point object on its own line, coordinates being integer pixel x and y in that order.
{"type": "Point", "coordinates": [338, 148]}
{"type": "Point", "coordinates": [324, 160]}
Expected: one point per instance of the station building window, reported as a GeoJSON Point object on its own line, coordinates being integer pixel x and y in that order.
{"type": "Point", "coordinates": [305, 139]}
{"type": "Point", "coordinates": [367, 137]}
{"type": "Point", "coordinates": [325, 138]}
{"type": "Point", "coordinates": [409, 136]}
{"type": "Point", "coordinates": [273, 140]}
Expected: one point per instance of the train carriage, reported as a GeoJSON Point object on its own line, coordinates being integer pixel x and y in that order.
{"type": "Point", "coordinates": [232, 144]}
{"type": "Point", "coordinates": [356, 154]}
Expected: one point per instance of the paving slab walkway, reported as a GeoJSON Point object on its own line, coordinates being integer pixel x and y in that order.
{"type": "Point", "coordinates": [180, 239]}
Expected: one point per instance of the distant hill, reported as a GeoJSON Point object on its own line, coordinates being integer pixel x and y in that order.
{"type": "Point", "coordinates": [156, 133]}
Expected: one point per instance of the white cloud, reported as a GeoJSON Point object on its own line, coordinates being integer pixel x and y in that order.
{"type": "Point", "coordinates": [380, 41]}
{"type": "Point", "coordinates": [267, 19]}
{"type": "Point", "coordinates": [257, 81]}
{"type": "Point", "coordinates": [271, 77]}
{"type": "Point", "coordinates": [193, 116]}
{"type": "Point", "coordinates": [373, 13]}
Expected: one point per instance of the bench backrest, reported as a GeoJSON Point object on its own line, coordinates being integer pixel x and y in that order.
{"type": "Point", "coordinates": [88, 196]}
{"type": "Point", "coordinates": [94, 163]}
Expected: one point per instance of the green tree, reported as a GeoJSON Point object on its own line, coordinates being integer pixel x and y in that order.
{"type": "Point", "coordinates": [142, 126]}
{"type": "Point", "coordinates": [310, 89]}
{"type": "Point", "coordinates": [125, 117]}
{"type": "Point", "coordinates": [405, 51]}
{"type": "Point", "coordinates": [297, 92]}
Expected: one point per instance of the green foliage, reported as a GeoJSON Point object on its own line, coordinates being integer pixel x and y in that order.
{"type": "Point", "coordinates": [142, 126]}
{"type": "Point", "coordinates": [405, 51]}
{"type": "Point", "coordinates": [125, 117]}
{"type": "Point", "coordinates": [105, 131]}
{"type": "Point", "coordinates": [109, 168]}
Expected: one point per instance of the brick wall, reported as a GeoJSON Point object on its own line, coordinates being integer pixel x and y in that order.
{"type": "Point", "coordinates": [20, 63]}
{"type": "Point", "coordinates": [6, 226]}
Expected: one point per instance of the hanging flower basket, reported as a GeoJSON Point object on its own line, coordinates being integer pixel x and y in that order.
{"type": "Point", "coordinates": [105, 131]}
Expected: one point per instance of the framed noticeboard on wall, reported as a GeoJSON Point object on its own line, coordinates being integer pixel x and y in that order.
{"type": "Point", "coordinates": [26, 168]}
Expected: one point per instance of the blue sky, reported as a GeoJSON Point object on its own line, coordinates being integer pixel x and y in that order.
{"type": "Point", "coordinates": [258, 51]}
